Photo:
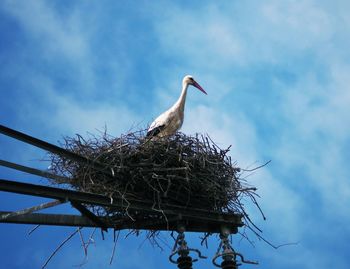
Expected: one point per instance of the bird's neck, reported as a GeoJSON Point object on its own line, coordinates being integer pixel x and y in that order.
{"type": "Point", "coordinates": [182, 99]}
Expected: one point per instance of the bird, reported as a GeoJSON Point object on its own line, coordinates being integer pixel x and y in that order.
{"type": "Point", "coordinates": [167, 123]}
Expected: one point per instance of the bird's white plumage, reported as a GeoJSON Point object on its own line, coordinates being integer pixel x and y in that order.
{"type": "Point", "coordinates": [171, 120]}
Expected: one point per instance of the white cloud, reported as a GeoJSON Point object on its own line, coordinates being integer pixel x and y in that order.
{"type": "Point", "coordinates": [62, 35]}
{"type": "Point", "coordinates": [79, 119]}
{"type": "Point", "coordinates": [65, 42]}
{"type": "Point", "coordinates": [68, 116]}
{"type": "Point", "coordinates": [319, 116]}
{"type": "Point", "coordinates": [224, 129]}
{"type": "Point", "coordinates": [66, 38]}
{"type": "Point", "coordinates": [304, 21]}
{"type": "Point", "coordinates": [199, 40]}
{"type": "Point", "coordinates": [214, 38]}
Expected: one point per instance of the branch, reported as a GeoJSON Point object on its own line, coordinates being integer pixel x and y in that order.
{"type": "Point", "coordinates": [59, 247]}
{"type": "Point", "coordinates": [256, 168]}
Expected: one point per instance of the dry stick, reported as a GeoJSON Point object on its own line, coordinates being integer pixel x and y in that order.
{"type": "Point", "coordinates": [205, 239]}
{"type": "Point", "coordinates": [269, 243]}
{"type": "Point", "coordinates": [114, 246]}
{"type": "Point", "coordinates": [256, 168]}
{"type": "Point", "coordinates": [245, 236]}
{"type": "Point", "coordinates": [31, 209]}
{"type": "Point", "coordinates": [257, 205]}
{"type": "Point", "coordinates": [129, 233]}
{"type": "Point", "coordinates": [61, 245]}
{"type": "Point", "coordinates": [248, 219]}
{"type": "Point", "coordinates": [163, 241]}
{"type": "Point", "coordinates": [91, 239]}
{"type": "Point", "coordinates": [152, 237]}
{"type": "Point", "coordinates": [83, 243]}
{"type": "Point", "coordinates": [33, 229]}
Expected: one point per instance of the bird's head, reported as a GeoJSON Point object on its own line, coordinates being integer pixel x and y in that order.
{"type": "Point", "coordinates": [189, 80]}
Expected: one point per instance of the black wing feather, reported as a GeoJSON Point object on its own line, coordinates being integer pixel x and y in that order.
{"type": "Point", "coordinates": [155, 131]}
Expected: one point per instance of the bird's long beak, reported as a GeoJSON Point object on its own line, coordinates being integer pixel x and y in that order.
{"type": "Point", "coordinates": [195, 84]}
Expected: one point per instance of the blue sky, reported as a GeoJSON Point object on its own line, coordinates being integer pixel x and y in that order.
{"type": "Point", "coordinates": [277, 77]}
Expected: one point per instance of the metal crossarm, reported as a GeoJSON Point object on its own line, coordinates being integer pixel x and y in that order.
{"type": "Point", "coordinates": [54, 149]}
{"type": "Point", "coordinates": [68, 195]}
{"type": "Point", "coordinates": [212, 226]}
{"type": "Point", "coordinates": [196, 219]}
{"type": "Point", "coordinates": [30, 170]}
{"type": "Point", "coordinates": [101, 200]}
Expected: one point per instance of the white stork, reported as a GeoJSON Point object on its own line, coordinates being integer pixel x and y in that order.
{"type": "Point", "coordinates": [171, 120]}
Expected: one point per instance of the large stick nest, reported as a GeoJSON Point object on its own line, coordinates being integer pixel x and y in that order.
{"type": "Point", "coordinates": [181, 170]}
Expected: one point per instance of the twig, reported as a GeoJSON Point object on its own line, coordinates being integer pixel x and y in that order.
{"type": "Point", "coordinates": [33, 229]}
{"type": "Point", "coordinates": [204, 239]}
{"type": "Point", "coordinates": [269, 243]}
{"type": "Point", "coordinates": [114, 246]}
{"type": "Point", "coordinates": [256, 168]}
{"type": "Point", "coordinates": [61, 245]}
{"type": "Point", "coordinates": [83, 243]}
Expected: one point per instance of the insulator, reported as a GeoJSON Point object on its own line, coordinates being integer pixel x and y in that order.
{"type": "Point", "coordinates": [184, 262]}
{"type": "Point", "coordinates": [231, 264]}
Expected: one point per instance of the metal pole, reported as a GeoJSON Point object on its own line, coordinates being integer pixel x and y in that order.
{"type": "Point", "coordinates": [32, 171]}
{"type": "Point", "coordinates": [55, 149]}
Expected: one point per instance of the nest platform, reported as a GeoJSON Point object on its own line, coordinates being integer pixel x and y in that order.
{"type": "Point", "coordinates": [181, 171]}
